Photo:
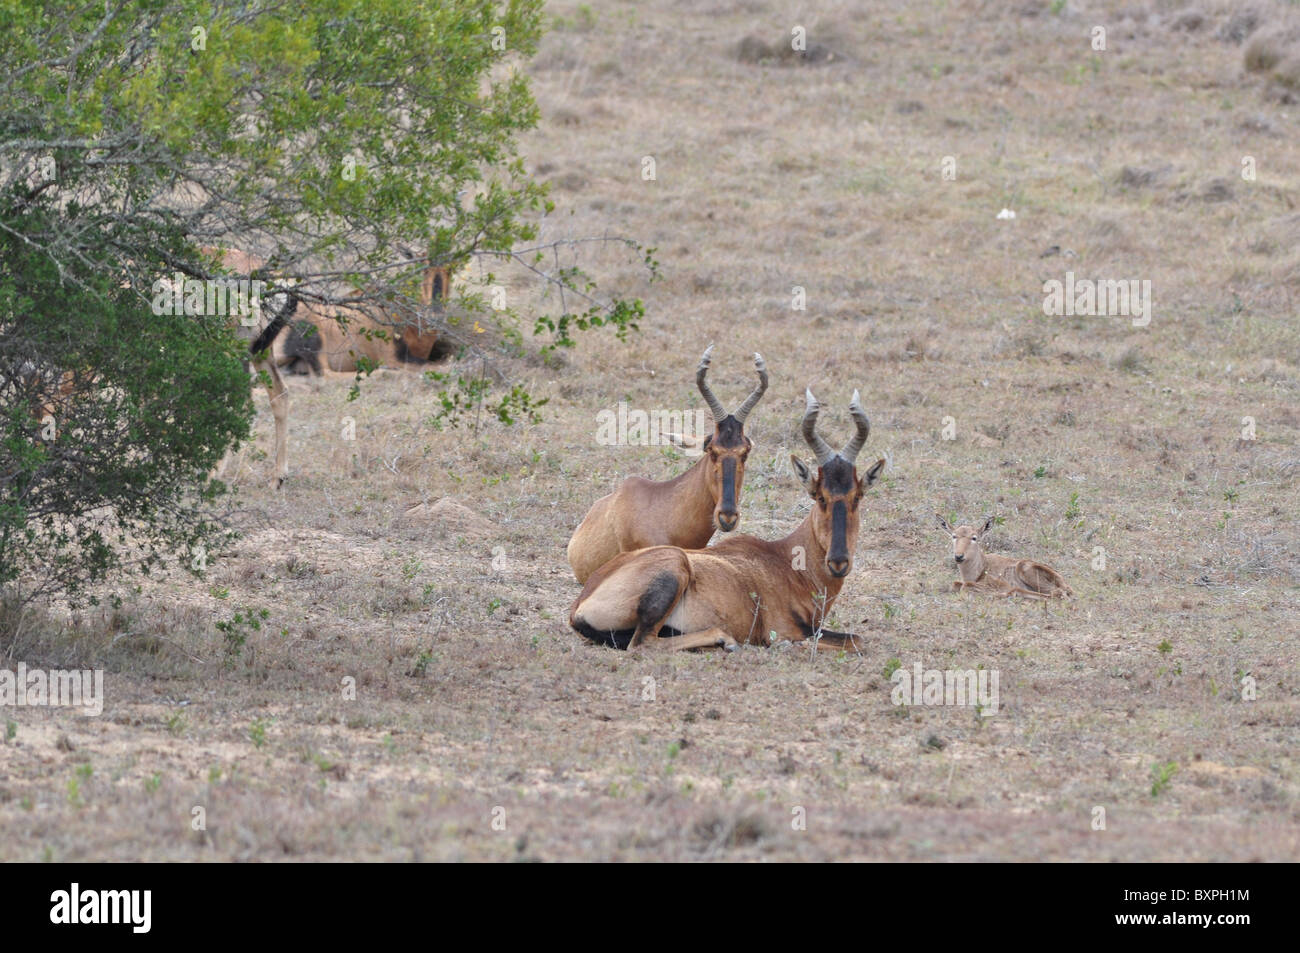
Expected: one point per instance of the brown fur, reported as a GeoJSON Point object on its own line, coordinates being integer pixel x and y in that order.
{"type": "Point", "coordinates": [51, 387]}
{"type": "Point", "coordinates": [743, 590]}
{"type": "Point", "coordinates": [347, 334]}
{"type": "Point", "coordinates": [680, 512]}
{"type": "Point", "coordinates": [1002, 575]}
{"type": "Point", "coordinates": [335, 341]}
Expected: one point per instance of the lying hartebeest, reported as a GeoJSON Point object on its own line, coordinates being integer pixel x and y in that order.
{"type": "Point", "coordinates": [1002, 575]}
{"type": "Point", "coordinates": [743, 589]}
{"type": "Point", "coordinates": [680, 512]}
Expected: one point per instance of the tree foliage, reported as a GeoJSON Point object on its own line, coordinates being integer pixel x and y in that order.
{"type": "Point", "coordinates": [345, 143]}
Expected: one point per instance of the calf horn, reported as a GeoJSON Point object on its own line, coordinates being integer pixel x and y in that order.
{"type": "Point", "coordinates": [856, 442]}
{"type": "Point", "coordinates": [819, 446]}
{"type": "Point", "coordinates": [743, 411]}
{"type": "Point", "coordinates": [715, 405]}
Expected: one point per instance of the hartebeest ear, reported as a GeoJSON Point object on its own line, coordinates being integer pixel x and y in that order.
{"type": "Point", "coordinates": [988, 524]}
{"type": "Point", "coordinates": [806, 476]}
{"type": "Point", "coordinates": [682, 440]}
{"type": "Point", "coordinates": [871, 475]}
{"type": "Point", "coordinates": [947, 528]}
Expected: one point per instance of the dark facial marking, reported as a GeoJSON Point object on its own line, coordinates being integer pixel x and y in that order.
{"type": "Point", "coordinates": [728, 501]}
{"type": "Point", "coordinates": [302, 345]}
{"type": "Point", "coordinates": [839, 532]}
{"type": "Point", "coordinates": [729, 434]}
{"type": "Point", "coordinates": [837, 477]}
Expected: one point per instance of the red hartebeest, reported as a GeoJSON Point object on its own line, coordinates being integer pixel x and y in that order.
{"type": "Point", "coordinates": [743, 589]}
{"type": "Point", "coordinates": [302, 350]}
{"type": "Point", "coordinates": [342, 338]}
{"type": "Point", "coordinates": [680, 512]}
{"type": "Point", "coordinates": [1001, 575]}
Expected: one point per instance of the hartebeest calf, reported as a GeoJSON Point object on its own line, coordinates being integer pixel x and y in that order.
{"type": "Point", "coordinates": [680, 512]}
{"type": "Point", "coordinates": [744, 589]}
{"type": "Point", "coordinates": [1001, 575]}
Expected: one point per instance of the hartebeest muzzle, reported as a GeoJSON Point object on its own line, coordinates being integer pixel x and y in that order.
{"type": "Point", "coordinates": [728, 511]}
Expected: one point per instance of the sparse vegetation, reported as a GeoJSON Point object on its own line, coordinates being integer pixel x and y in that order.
{"type": "Point", "coordinates": [918, 294]}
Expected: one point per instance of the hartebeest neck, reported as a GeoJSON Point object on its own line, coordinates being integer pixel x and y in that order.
{"type": "Point", "coordinates": [692, 502]}
{"type": "Point", "coordinates": [814, 577]}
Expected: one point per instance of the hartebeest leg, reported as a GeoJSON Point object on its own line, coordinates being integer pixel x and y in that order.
{"type": "Point", "coordinates": [713, 638]}
{"type": "Point", "coordinates": [845, 641]}
{"type": "Point", "coordinates": [279, 396]}
{"type": "Point", "coordinates": [1027, 593]}
{"type": "Point", "coordinates": [656, 602]}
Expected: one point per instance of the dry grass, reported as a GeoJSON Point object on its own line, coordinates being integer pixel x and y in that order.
{"type": "Point", "coordinates": [1083, 432]}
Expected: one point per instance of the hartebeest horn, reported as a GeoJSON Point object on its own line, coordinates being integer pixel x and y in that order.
{"type": "Point", "coordinates": [743, 411]}
{"type": "Point", "coordinates": [715, 405]}
{"type": "Point", "coordinates": [819, 446]}
{"type": "Point", "coordinates": [856, 442]}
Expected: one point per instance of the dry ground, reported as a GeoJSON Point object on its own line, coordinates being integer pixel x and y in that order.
{"type": "Point", "coordinates": [473, 698]}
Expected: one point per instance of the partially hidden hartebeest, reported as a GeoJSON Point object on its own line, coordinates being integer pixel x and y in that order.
{"type": "Point", "coordinates": [343, 338]}
{"type": "Point", "coordinates": [679, 512]}
{"type": "Point", "coordinates": [1001, 575]}
{"type": "Point", "coordinates": [744, 589]}
{"type": "Point", "coordinates": [271, 349]}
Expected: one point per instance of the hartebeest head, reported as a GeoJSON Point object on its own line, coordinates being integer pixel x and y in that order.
{"type": "Point", "coordinates": [727, 447]}
{"type": "Point", "coordinates": [965, 538]}
{"type": "Point", "coordinates": [836, 486]}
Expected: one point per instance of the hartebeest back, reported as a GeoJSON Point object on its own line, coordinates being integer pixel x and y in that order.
{"type": "Point", "coordinates": [1002, 575]}
{"type": "Point", "coordinates": [342, 338]}
{"type": "Point", "coordinates": [744, 589]}
{"type": "Point", "coordinates": [680, 512]}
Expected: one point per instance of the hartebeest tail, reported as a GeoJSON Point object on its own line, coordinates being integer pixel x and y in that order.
{"type": "Point", "coordinates": [744, 589]}
{"type": "Point", "coordinates": [680, 512]}
{"type": "Point", "coordinates": [1001, 575]}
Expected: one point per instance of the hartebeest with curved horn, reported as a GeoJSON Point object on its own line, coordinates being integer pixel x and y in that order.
{"type": "Point", "coordinates": [744, 589]}
{"type": "Point", "coordinates": [680, 512]}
